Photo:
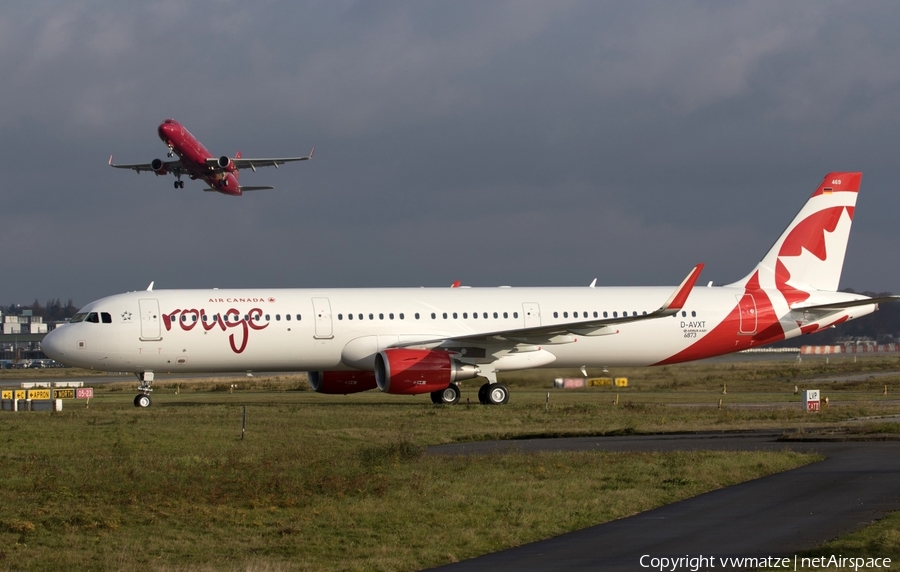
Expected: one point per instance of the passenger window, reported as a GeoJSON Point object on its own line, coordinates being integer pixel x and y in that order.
{"type": "Point", "coordinates": [474, 315]}
{"type": "Point", "coordinates": [683, 314]}
{"type": "Point", "coordinates": [693, 314]}
{"type": "Point", "coordinates": [454, 315]}
{"type": "Point", "coordinates": [107, 319]}
{"type": "Point", "coordinates": [555, 314]}
{"type": "Point", "coordinates": [445, 315]}
{"type": "Point", "coordinates": [380, 316]}
{"type": "Point", "coordinates": [605, 314]}
{"type": "Point", "coordinates": [505, 315]}
{"type": "Point", "coordinates": [495, 315]}
{"type": "Point", "coordinates": [401, 315]}
{"type": "Point", "coordinates": [417, 315]}
{"type": "Point", "coordinates": [371, 316]}
{"type": "Point", "coordinates": [515, 314]}
{"type": "Point", "coordinates": [615, 314]}
{"type": "Point", "coordinates": [565, 314]}
{"type": "Point", "coordinates": [465, 315]}
{"type": "Point", "coordinates": [360, 316]}
{"type": "Point", "coordinates": [391, 316]}
{"type": "Point", "coordinates": [267, 317]}
{"type": "Point", "coordinates": [287, 317]}
{"type": "Point", "coordinates": [340, 316]}
{"type": "Point", "coordinates": [349, 316]}
{"type": "Point", "coordinates": [434, 316]}
{"type": "Point", "coordinates": [298, 317]}
{"type": "Point", "coordinates": [595, 313]}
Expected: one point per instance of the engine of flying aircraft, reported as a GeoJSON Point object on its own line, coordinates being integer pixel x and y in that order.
{"type": "Point", "coordinates": [158, 166]}
{"type": "Point", "coordinates": [225, 164]}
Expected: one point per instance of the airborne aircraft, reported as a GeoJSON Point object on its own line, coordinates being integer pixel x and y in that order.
{"type": "Point", "coordinates": [428, 340]}
{"type": "Point", "coordinates": [220, 173]}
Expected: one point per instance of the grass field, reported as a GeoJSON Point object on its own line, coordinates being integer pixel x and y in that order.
{"type": "Point", "coordinates": [341, 482]}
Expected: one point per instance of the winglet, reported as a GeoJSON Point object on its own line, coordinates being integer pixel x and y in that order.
{"type": "Point", "coordinates": [110, 161]}
{"type": "Point", "coordinates": [456, 284]}
{"type": "Point", "coordinates": [150, 287]}
{"type": "Point", "coordinates": [679, 297]}
{"type": "Point", "coordinates": [312, 152]}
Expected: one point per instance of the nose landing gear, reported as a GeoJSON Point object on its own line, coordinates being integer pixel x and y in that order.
{"type": "Point", "coordinates": [143, 398]}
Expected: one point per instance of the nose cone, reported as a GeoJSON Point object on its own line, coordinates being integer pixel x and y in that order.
{"type": "Point", "coordinates": [167, 129]}
{"type": "Point", "coordinates": [53, 343]}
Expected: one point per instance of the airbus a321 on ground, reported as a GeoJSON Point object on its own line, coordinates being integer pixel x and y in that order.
{"type": "Point", "coordinates": [194, 161]}
{"type": "Point", "coordinates": [428, 340]}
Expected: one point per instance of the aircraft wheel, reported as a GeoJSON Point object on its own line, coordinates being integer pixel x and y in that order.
{"type": "Point", "coordinates": [483, 393]}
{"type": "Point", "coordinates": [450, 395]}
{"type": "Point", "coordinates": [176, 184]}
{"type": "Point", "coordinates": [142, 400]}
{"type": "Point", "coordinates": [497, 394]}
{"type": "Point", "coordinates": [436, 397]}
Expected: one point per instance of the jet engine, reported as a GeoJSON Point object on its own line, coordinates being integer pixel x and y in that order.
{"type": "Point", "coordinates": [341, 382]}
{"type": "Point", "coordinates": [226, 164]}
{"type": "Point", "coordinates": [158, 166]}
{"type": "Point", "coordinates": [409, 371]}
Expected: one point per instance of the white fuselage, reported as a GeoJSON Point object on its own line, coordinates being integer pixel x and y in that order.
{"type": "Point", "coordinates": [343, 329]}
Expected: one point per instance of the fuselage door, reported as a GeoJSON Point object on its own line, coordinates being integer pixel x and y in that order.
{"type": "Point", "coordinates": [532, 313]}
{"type": "Point", "coordinates": [322, 310]}
{"type": "Point", "coordinates": [747, 306]}
{"type": "Point", "coordinates": [150, 329]}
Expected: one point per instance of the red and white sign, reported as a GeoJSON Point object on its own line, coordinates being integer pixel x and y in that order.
{"type": "Point", "coordinates": [84, 393]}
{"type": "Point", "coordinates": [811, 399]}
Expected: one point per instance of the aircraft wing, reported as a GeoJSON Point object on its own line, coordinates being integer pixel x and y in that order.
{"type": "Point", "coordinates": [251, 163]}
{"type": "Point", "coordinates": [587, 327]}
{"type": "Point", "coordinates": [174, 167]}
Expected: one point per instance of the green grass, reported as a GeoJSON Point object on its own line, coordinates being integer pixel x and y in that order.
{"type": "Point", "coordinates": [341, 482]}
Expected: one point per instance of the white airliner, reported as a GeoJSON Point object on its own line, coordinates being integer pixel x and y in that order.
{"type": "Point", "coordinates": [427, 340]}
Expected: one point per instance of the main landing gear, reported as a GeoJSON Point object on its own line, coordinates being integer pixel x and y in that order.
{"type": "Point", "coordinates": [179, 184]}
{"type": "Point", "coordinates": [448, 396]}
{"type": "Point", "coordinates": [493, 394]}
{"type": "Point", "coordinates": [143, 398]}
{"type": "Point", "coordinates": [488, 394]}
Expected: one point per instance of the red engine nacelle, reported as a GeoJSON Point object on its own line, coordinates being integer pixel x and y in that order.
{"type": "Point", "coordinates": [158, 166]}
{"type": "Point", "coordinates": [409, 372]}
{"type": "Point", "coordinates": [341, 382]}
{"type": "Point", "coordinates": [225, 164]}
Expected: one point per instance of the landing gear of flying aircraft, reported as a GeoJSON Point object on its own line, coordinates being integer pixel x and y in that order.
{"type": "Point", "coordinates": [493, 394]}
{"type": "Point", "coordinates": [448, 396]}
{"type": "Point", "coordinates": [179, 184]}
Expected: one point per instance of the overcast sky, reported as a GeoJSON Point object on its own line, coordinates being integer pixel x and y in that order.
{"type": "Point", "coordinates": [498, 143]}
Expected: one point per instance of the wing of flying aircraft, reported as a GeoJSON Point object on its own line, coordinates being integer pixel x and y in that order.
{"type": "Point", "coordinates": [155, 166]}
{"type": "Point", "coordinates": [244, 163]}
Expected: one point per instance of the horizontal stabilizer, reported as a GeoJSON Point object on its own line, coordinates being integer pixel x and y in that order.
{"type": "Point", "coordinates": [255, 188]}
{"type": "Point", "coordinates": [847, 304]}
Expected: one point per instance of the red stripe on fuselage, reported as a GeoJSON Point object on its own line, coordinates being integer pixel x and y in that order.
{"type": "Point", "coordinates": [726, 337]}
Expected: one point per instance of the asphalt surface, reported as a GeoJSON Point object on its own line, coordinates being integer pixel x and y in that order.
{"type": "Point", "coordinates": [779, 515]}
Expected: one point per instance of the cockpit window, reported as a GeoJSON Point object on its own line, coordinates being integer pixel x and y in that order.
{"type": "Point", "coordinates": [106, 318]}
{"type": "Point", "coordinates": [78, 317]}
{"type": "Point", "coordinates": [93, 318]}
